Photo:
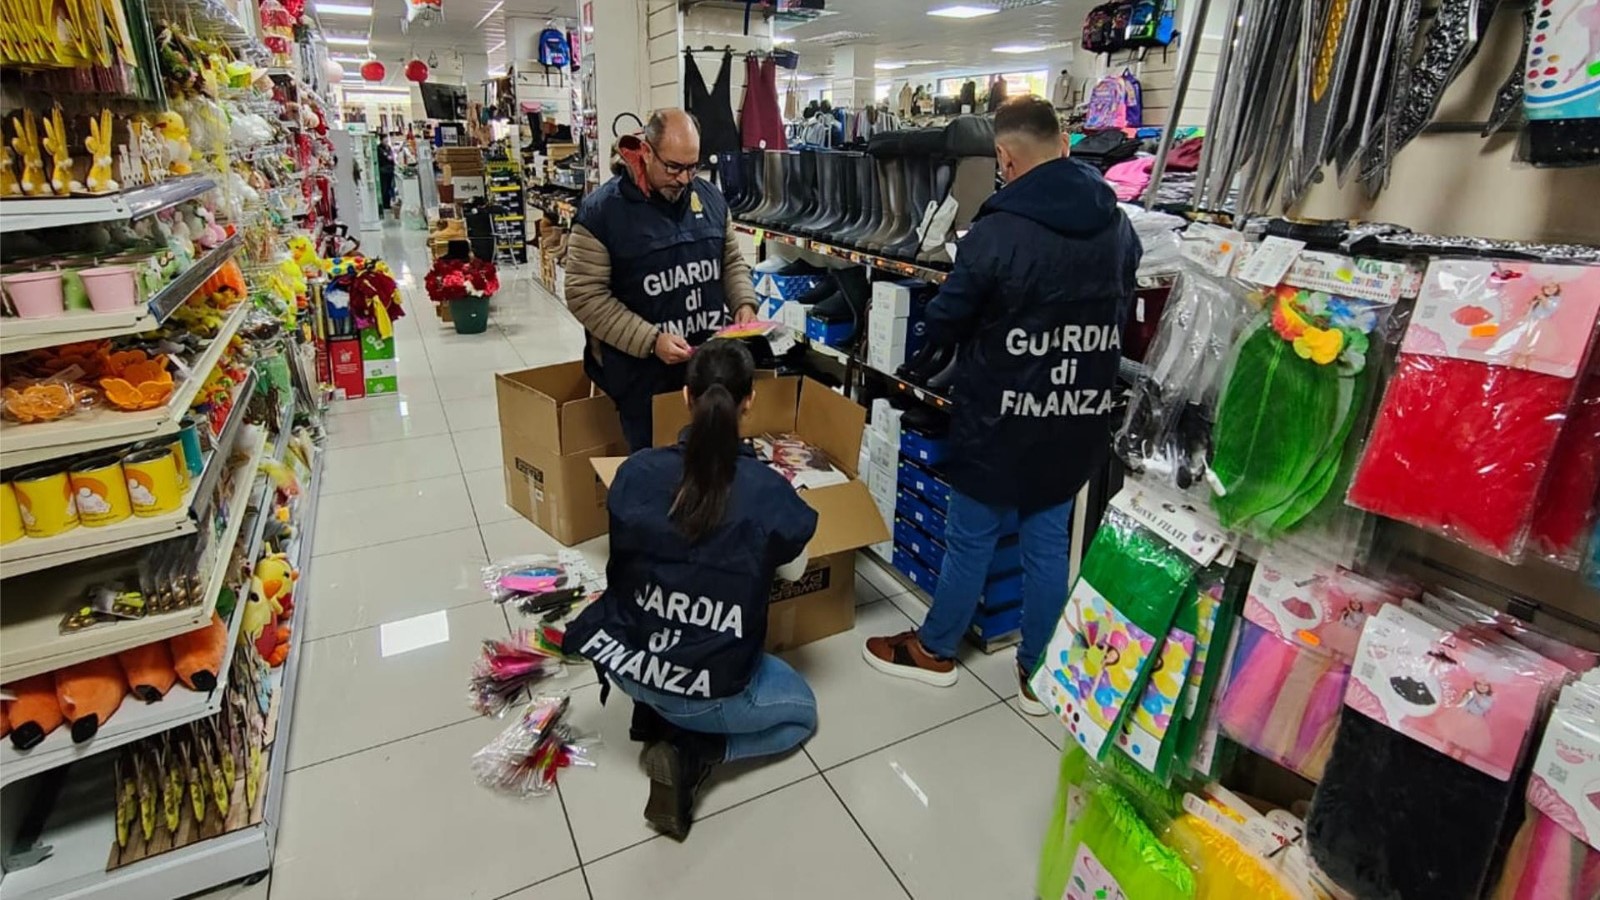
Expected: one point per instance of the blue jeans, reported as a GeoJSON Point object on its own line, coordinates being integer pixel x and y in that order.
{"type": "Point", "coordinates": [971, 532]}
{"type": "Point", "coordinates": [775, 713]}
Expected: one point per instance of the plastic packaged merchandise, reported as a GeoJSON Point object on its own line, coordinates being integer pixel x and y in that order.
{"type": "Point", "coordinates": [1166, 435]}
{"type": "Point", "coordinates": [1546, 862]}
{"type": "Point", "coordinates": [1293, 406]}
{"type": "Point", "coordinates": [1283, 700]}
{"type": "Point", "coordinates": [542, 585]}
{"type": "Point", "coordinates": [524, 759]}
{"type": "Point", "coordinates": [1488, 369]}
{"type": "Point", "coordinates": [1105, 642]}
{"type": "Point", "coordinates": [509, 668]}
{"type": "Point", "coordinates": [1566, 512]}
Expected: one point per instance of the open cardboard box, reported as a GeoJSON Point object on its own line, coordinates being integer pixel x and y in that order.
{"type": "Point", "coordinates": [822, 602]}
{"type": "Point", "coordinates": [552, 422]}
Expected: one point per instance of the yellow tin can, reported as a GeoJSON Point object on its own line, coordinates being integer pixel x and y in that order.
{"type": "Point", "coordinates": [44, 500]}
{"type": "Point", "coordinates": [152, 477]}
{"type": "Point", "coordinates": [180, 462]}
{"type": "Point", "coordinates": [100, 491]}
{"type": "Point", "coordinates": [10, 515]}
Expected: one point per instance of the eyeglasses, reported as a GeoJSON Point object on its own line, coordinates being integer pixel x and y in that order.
{"type": "Point", "coordinates": [674, 169]}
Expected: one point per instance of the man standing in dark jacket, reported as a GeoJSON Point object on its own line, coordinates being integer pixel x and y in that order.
{"type": "Point", "coordinates": [1039, 291]}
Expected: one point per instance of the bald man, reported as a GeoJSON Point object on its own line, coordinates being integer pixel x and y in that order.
{"type": "Point", "coordinates": [653, 269]}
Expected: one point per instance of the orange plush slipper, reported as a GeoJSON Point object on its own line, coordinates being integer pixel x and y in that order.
{"type": "Point", "coordinates": [148, 670]}
{"type": "Point", "coordinates": [197, 655]}
{"type": "Point", "coordinates": [89, 693]}
{"type": "Point", "coordinates": [35, 713]}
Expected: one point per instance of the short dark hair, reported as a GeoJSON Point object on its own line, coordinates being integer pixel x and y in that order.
{"type": "Point", "coordinates": [1030, 116]}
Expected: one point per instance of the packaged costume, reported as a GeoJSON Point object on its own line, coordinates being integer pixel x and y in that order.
{"type": "Point", "coordinates": [1488, 368]}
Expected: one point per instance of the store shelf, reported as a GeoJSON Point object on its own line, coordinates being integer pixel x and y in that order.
{"type": "Point", "coordinates": [134, 720]}
{"type": "Point", "coordinates": [81, 543]}
{"type": "Point", "coordinates": [23, 444]}
{"type": "Point", "coordinates": [17, 335]}
{"type": "Point", "coordinates": [22, 213]}
{"type": "Point", "coordinates": [882, 263]}
{"type": "Point", "coordinates": [81, 828]}
{"type": "Point", "coordinates": [30, 621]}
{"type": "Point", "coordinates": [898, 384]}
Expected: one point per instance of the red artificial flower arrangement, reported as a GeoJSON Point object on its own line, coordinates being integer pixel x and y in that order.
{"type": "Point", "coordinates": [457, 279]}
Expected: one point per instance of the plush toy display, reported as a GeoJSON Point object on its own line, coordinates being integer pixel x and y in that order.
{"type": "Point", "coordinates": [99, 143]}
{"type": "Point", "coordinates": [262, 614]}
{"type": "Point", "coordinates": [59, 145]}
{"type": "Point", "coordinates": [35, 713]}
{"type": "Point", "coordinates": [148, 670]}
{"type": "Point", "coordinates": [277, 581]}
{"type": "Point", "coordinates": [197, 655]}
{"type": "Point", "coordinates": [89, 693]}
{"type": "Point", "coordinates": [26, 142]}
{"type": "Point", "coordinates": [175, 134]}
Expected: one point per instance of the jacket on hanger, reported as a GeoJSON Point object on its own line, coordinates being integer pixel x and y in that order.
{"type": "Point", "coordinates": [713, 108]}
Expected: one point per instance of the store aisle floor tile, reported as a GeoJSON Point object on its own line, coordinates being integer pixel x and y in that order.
{"type": "Point", "coordinates": [408, 820]}
{"type": "Point", "coordinates": [516, 537]}
{"type": "Point", "coordinates": [929, 802]}
{"type": "Point", "coordinates": [487, 488]}
{"type": "Point", "coordinates": [478, 448]}
{"type": "Point", "coordinates": [861, 710]}
{"type": "Point", "coordinates": [605, 805]}
{"type": "Point", "coordinates": [798, 842]}
{"type": "Point", "coordinates": [394, 462]}
{"type": "Point", "coordinates": [570, 886]}
{"type": "Point", "coordinates": [464, 386]}
{"type": "Point", "coordinates": [476, 412]}
{"type": "Point", "coordinates": [372, 585]}
{"type": "Point", "coordinates": [387, 422]}
{"type": "Point", "coordinates": [401, 678]}
{"type": "Point", "coordinates": [394, 512]}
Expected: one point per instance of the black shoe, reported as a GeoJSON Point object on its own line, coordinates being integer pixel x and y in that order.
{"type": "Point", "coordinates": [940, 383]}
{"type": "Point", "coordinates": [647, 725]}
{"type": "Point", "coordinates": [678, 768]}
{"type": "Point", "coordinates": [801, 267]}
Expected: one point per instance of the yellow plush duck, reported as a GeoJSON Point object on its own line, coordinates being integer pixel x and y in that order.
{"type": "Point", "coordinates": [26, 143]}
{"type": "Point", "coordinates": [176, 134]}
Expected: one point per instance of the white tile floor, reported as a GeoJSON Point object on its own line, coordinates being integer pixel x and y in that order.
{"type": "Point", "coordinates": [906, 791]}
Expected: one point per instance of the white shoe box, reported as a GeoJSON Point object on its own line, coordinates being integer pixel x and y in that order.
{"type": "Point", "coordinates": [882, 453]}
{"type": "Point", "coordinates": [886, 421]}
{"type": "Point", "coordinates": [884, 551]}
{"type": "Point", "coordinates": [886, 341]}
{"type": "Point", "coordinates": [890, 300]}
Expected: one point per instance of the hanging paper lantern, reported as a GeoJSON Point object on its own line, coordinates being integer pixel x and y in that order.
{"type": "Point", "coordinates": [333, 71]}
{"type": "Point", "coordinates": [372, 70]}
{"type": "Point", "coordinates": [417, 71]}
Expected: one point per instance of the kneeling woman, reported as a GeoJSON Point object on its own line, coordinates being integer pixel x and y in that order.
{"type": "Point", "coordinates": [698, 531]}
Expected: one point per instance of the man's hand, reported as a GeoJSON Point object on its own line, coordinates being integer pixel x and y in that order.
{"type": "Point", "coordinates": [743, 314]}
{"type": "Point", "coordinates": [672, 349]}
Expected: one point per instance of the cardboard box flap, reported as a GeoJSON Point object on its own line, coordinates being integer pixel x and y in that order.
{"type": "Point", "coordinates": [557, 408]}
{"type": "Point", "coordinates": [771, 411]}
{"type": "Point", "coordinates": [833, 422]}
{"type": "Point", "coordinates": [606, 467]}
{"type": "Point", "coordinates": [847, 519]}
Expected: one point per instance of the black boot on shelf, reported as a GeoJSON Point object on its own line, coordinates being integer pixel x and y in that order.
{"type": "Point", "coordinates": [861, 200]}
{"type": "Point", "coordinates": [825, 288]}
{"type": "Point", "coordinates": [929, 361]}
{"type": "Point", "coordinates": [810, 189]}
{"type": "Point", "coordinates": [771, 187]}
{"type": "Point", "coordinates": [801, 267]}
{"type": "Point", "coordinates": [940, 382]}
{"type": "Point", "coordinates": [678, 769]}
{"type": "Point", "coordinates": [822, 199]}
{"type": "Point", "coordinates": [920, 192]}
{"type": "Point", "coordinates": [839, 199]}
{"type": "Point", "coordinates": [754, 184]}
{"type": "Point", "coordinates": [892, 198]}
{"type": "Point", "coordinates": [880, 203]}
{"type": "Point", "coordinates": [794, 197]}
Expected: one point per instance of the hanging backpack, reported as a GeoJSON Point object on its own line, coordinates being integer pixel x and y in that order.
{"type": "Point", "coordinates": [1108, 104]}
{"type": "Point", "coordinates": [1151, 23]}
{"type": "Point", "coordinates": [554, 51]}
{"type": "Point", "coordinates": [1105, 29]}
{"type": "Point", "coordinates": [1133, 99]}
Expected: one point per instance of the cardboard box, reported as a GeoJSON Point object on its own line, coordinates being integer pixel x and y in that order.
{"type": "Point", "coordinates": [886, 420]}
{"type": "Point", "coordinates": [890, 299]}
{"type": "Point", "coordinates": [883, 453]}
{"type": "Point", "coordinates": [344, 358]}
{"type": "Point", "coordinates": [822, 602]}
{"type": "Point", "coordinates": [553, 421]}
{"type": "Point", "coordinates": [467, 187]}
{"type": "Point", "coordinates": [379, 366]}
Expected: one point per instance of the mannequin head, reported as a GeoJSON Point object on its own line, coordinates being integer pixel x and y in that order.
{"type": "Point", "coordinates": [1027, 134]}
{"type": "Point", "coordinates": [671, 151]}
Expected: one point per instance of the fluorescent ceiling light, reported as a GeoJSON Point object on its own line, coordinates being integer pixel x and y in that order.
{"type": "Point", "coordinates": [888, 66]}
{"type": "Point", "coordinates": [963, 12]}
{"type": "Point", "coordinates": [380, 88]}
{"type": "Point", "coordinates": [342, 9]}
{"type": "Point", "coordinates": [778, 39]}
{"type": "Point", "coordinates": [1019, 48]}
{"type": "Point", "coordinates": [334, 40]}
{"type": "Point", "coordinates": [492, 10]}
{"type": "Point", "coordinates": [495, 47]}
{"type": "Point", "coordinates": [347, 58]}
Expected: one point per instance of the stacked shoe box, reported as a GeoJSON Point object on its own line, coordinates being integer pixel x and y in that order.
{"type": "Point", "coordinates": [894, 324]}
{"type": "Point", "coordinates": [779, 294]}
{"type": "Point", "coordinates": [882, 452]}
{"type": "Point", "coordinates": [922, 502]}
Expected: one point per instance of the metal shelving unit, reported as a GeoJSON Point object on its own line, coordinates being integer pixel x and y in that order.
{"type": "Point", "coordinates": [30, 622]}
{"type": "Point", "coordinates": [81, 827]}
{"type": "Point", "coordinates": [883, 263]}
{"type": "Point", "coordinates": [22, 213]}
{"type": "Point", "coordinates": [17, 335]}
{"type": "Point", "coordinates": [23, 444]}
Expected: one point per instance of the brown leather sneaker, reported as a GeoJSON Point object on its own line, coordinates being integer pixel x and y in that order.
{"type": "Point", "coordinates": [903, 656]}
{"type": "Point", "coordinates": [1027, 700]}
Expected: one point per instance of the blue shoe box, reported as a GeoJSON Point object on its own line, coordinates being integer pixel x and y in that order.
{"type": "Point", "coordinates": [919, 513]}
{"type": "Point", "coordinates": [832, 334]}
{"type": "Point", "coordinates": [920, 575]}
{"type": "Point", "coordinates": [784, 288]}
{"type": "Point", "coordinates": [926, 485]}
{"type": "Point", "coordinates": [1007, 555]}
{"type": "Point", "coordinates": [922, 448]}
{"type": "Point", "coordinates": [988, 626]}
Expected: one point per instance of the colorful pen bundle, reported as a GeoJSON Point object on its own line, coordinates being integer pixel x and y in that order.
{"type": "Point", "coordinates": [510, 667]}
{"type": "Point", "coordinates": [544, 586]}
{"type": "Point", "coordinates": [524, 759]}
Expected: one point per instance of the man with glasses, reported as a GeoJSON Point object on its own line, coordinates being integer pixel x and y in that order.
{"type": "Point", "coordinates": [653, 269]}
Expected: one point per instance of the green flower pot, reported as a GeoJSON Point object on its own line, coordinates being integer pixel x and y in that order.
{"type": "Point", "coordinates": [470, 315]}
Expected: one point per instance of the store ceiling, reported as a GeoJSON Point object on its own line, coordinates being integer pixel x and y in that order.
{"type": "Point", "coordinates": [903, 32]}
{"type": "Point", "coordinates": [469, 26]}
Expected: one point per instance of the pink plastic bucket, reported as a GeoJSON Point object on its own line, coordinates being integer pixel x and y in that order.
{"type": "Point", "coordinates": [36, 295]}
{"type": "Point", "coordinates": [110, 288]}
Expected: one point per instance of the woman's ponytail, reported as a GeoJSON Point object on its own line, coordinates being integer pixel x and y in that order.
{"type": "Point", "coordinates": [719, 381]}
